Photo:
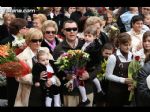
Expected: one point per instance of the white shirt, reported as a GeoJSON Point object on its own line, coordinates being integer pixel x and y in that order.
{"type": "Point", "coordinates": [111, 65]}
{"type": "Point", "coordinates": [136, 39]}
{"type": "Point", "coordinates": [85, 45]}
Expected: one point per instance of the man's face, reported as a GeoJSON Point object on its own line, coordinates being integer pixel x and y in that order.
{"type": "Point", "coordinates": [145, 10]}
{"type": "Point", "coordinates": [70, 31]}
{"type": "Point", "coordinates": [106, 53]}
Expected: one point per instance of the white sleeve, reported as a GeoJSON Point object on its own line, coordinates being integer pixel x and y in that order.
{"type": "Point", "coordinates": [148, 81]}
{"type": "Point", "coordinates": [109, 71]}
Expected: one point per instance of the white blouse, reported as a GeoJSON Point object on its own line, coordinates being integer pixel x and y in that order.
{"type": "Point", "coordinates": [136, 39]}
{"type": "Point", "coordinates": [111, 65]}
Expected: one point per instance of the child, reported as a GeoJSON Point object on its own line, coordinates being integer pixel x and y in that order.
{"type": "Point", "coordinates": [91, 46]}
{"type": "Point", "coordinates": [47, 66]}
{"type": "Point", "coordinates": [147, 20]}
{"type": "Point", "coordinates": [117, 72]}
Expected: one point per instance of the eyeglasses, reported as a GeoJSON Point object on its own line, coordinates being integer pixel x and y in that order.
{"type": "Point", "coordinates": [50, 32]}
{"type": "Point", "coordinates": [71, 29]}
{"type": "Point", "coordinates": [36, 40]}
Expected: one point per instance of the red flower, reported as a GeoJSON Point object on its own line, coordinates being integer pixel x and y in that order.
{"type": "Point", "coordinates": [49, 74]}
{"type": "Point", "coordinates": [137, 58]}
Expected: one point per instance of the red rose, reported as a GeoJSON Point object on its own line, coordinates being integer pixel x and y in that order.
{"type": "Point", "coordinates": [49, 74]}
{"type": "Point", "coordinates": [137, 58]}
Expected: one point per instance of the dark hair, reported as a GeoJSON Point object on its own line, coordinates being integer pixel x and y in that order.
{"type": "Point", "coordinates": [147, 58]}
{"type": "Point", "coordinates": [145, 35]}
{"type": "Point", "coordinates": [108, 46]}
{"type": "Point", "coordinates": [135, 19]}
{"type": "Point", "coordinates": [16, 25]}
{"type": "Point", "coordinates": [124, 38]}
{"type": "Point", "coordinates": [69, 21]}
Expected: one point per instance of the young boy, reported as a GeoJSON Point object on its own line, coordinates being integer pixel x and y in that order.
{"type": "Point", "coordinates": [91, 46]}
{"type": "Point", "coordinates": [47, 66]}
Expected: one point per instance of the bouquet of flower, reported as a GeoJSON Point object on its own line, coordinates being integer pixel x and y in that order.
{"type": "Point", "coordinates": [73, 62]}
{"type": "Point", "coordinates": [101, 74]}
{"type": "Point", "coordinates": [133, 70]}
{"type": "Point", "coordinates": [18, 45]}
{"type": "Point", "coordinates": [10, 65]}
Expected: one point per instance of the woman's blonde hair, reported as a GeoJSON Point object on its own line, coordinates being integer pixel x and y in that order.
{"type": "Point", "coordinates": [49, 23]}
{"type": "Point", "coordinates": [33, 33]}
{"type": "Point", "coordinates": [41, 17]}
{"type": "Point", "coordinates": [93, 20]}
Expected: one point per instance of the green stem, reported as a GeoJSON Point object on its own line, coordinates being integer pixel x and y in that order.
{"type": "Point", "coordinates": [131, 95]}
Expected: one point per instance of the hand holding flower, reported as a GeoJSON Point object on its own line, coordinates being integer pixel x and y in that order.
{"type": "Point", "coordinates": [85, 75]}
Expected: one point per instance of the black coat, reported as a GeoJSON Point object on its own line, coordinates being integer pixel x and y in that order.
{"type": "Point", "coordinates": [3, 32]}
{"type": "Point", "coordinates": [143, 93]}
{"type": "Point", "coordinates": [60, 49]}
{"type": "Point", "coordinates": [36, 96]}
{"type": "Point", "coordinates": [94, 50]}
{"type": "Point", "coordinates": [103, 38]}
{"type": "Point", "coordinates": [6, 40]}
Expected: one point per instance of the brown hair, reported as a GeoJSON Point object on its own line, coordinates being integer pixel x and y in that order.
{"type": "Point", "coordinates": [108, 46]}
{"type": "Point", "coordinates": [124, 38]}
{"type": "Point", "coordinates": [16, 25]}
{"type": "Point", "coordinates": [145, 35]}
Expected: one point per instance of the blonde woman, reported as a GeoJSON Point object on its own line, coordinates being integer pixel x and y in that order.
{"type": "Point", "coordinates": [50, 30]}
{"type": "Point", "coordinates": [38, 20]}
{"type": "Point", "coordinates": [33, 39]}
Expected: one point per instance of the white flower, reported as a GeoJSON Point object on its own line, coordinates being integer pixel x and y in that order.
{"type": "Point", "coordinates": [18, 42]}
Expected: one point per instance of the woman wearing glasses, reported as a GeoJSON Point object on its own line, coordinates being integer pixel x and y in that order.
{"type": "Point", "coordinates": [26, 89]}
{"type": "Point", "coordinates": [50, 30]}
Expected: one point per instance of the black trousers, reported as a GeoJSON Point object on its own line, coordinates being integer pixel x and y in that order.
{"type": "Point", "coordinates": [12, 88]}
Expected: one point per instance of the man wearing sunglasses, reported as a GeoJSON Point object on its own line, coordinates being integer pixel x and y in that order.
{"type": "Point", "coordinates": [72, 42]}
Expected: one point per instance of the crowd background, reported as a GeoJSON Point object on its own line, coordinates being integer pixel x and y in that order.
{"type": "Point", "coordinates": [122, 33]}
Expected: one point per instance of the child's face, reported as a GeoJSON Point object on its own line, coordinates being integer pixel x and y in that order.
{"type": "Point", "coordinates": [147, 20]}
{"type": "Point", "coordinates": [44, 59]}
{"type": "Point", "coordinates": [125, 47]}
{"type": "Point", "coordinates": [106, 53]}
{"type": "Point", "coordinates": [89, 37]}
{"type": "Point", "coordinates": [146, 43]}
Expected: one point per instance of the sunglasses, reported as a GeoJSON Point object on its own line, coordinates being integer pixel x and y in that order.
{"type": "Point", "coordinates": [36, 40]}
{"type": "Point", "coordinates": [50, 32]}
{"type": "Point", "coordinates": [71, 29]}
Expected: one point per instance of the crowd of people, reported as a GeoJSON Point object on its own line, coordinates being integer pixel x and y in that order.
{"type": "Point", "coordinates": [112, 36]}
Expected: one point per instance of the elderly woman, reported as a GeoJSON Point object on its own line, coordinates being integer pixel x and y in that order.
{"type": "Point", "coordinates": [38, 20]}
{"type": "Point", "coordinates": [33, 39]}
{"type": "Point", "coordinates": [50, 30]}
{"type": "Point", "coordinates": [98, 23]}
